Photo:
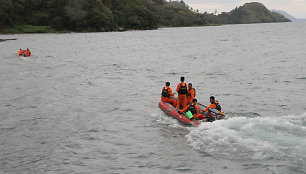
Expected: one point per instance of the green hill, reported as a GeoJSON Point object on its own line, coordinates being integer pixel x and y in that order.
{"type": "Point", "coordinates": [253, 12]}
{"type": "Point", "coordinates": [96, 15]}
{"type": "Point", "coordinates": [178, 14]}
{"type": "Point", "coordinates": [79, 15]}
{"type": "Point", "coordinates": [34, 16]}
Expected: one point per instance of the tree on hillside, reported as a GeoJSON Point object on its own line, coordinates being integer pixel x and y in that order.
{"type": "Point", "coordinates": [6, 12]}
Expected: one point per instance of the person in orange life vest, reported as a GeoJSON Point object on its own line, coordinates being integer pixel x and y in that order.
{"type": "Point", "coordinates": [194, 109]}
{"type": "Point", "coordinates": [215, 105]}
{"type": "Point", "coordinates": [181, 89]}
{"type": "Point", "coordinates": [190, 94]}
{"type": "Point", "coordinates": [28, 53]}
{"type": "Point", "coordinates": [166, 95]}
{"type": "Point", "coordinates": [20, 52]}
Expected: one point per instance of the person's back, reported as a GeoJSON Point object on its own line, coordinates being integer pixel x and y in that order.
{"type": "Point", "coordinates": [167, 94]}
{"type": "Point", "coordinates": [182, 91]}
{"type": "Point", "coordinates": [20, 52]}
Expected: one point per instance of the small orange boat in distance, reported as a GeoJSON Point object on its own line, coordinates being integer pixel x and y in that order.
{"type": "Point", "coordinates": [23, 53]}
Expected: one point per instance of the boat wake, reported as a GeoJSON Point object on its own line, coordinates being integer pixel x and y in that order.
{"type": "Point", "coordinates": [252, 138]}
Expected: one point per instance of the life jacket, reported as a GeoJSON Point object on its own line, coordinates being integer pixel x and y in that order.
{"type": "Point", "coordinates": [183, 89]}
{"type": "Point", "coordinates": [218, 107]}
{"type": "Point", "coordinates": [192, 108]}
{"type": "Point", "coordinates": [165, 92]}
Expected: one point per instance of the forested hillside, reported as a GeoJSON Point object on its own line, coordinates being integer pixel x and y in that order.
{"type": "Point", "coordinates": [99, 15]}
{"type": "Point", "coordinates": [253, 12]}
{"type": "Point", "coordinates": [79, 15]}
{"type": "Point", "coordinates": [115, 15]}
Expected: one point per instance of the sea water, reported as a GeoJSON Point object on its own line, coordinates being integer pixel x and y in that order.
{"type": "Point", "coordinates": [88, 102]}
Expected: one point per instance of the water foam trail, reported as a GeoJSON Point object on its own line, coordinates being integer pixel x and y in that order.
{"type": "Point", "coordinates": [255, 138]}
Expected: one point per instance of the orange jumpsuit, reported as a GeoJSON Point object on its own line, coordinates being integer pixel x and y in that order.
{"type": "Point", "coordinates": [191, 97]}
{"type": "Point", "coordinates": [20, 52]}
{"type": "Point", "coordinates": [196, 115]}
{"type": "Point", "coordinates": [28, 53]}
{"type": "Point", "coordinates": [214, 107]}
{"type": "Point", "coordinates": [181, 98]}
{"type": "Point", "coordinates": [168, 99]}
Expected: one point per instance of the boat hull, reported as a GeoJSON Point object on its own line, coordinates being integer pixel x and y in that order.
{"type": "Point", "coordinates": [170, 110]}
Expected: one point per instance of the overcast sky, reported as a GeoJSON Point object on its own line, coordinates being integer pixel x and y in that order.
{"type": "Point", "coordinates": [296, 8]}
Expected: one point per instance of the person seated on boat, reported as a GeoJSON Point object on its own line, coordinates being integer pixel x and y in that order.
{"type": "Point", "coordinates": [181, 89]}
{"type": "Point", "coordinates": [20, 52]}
{"type": "Point", "coordinates": [167, 94]}
{"type": "Point", "coordinates": [214, 104]}
{"type": "Point", "coordinates": [191, 94]}
{"type": "Point", "coordinates": [194, 109]}
{"type": "Point", "coordinates": [28, 53]}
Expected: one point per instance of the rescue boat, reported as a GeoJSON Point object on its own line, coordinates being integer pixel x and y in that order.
{"type": "Point", "coordinates": [174, 112]}
{"type": "Point", "coordinates": [23, 54]}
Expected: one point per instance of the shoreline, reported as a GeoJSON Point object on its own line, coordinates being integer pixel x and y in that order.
{"type": "Point", "coordinates": [31, 29]}
{"type": "Point", "coordinates": [23, 29]}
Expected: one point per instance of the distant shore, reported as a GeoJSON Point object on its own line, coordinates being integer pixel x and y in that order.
{"type": "Point", "coordinates": [22, 29]}
{"type": "Point", "coordinates": [31, 29]}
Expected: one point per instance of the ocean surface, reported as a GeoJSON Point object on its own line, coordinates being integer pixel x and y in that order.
{"type": "Point", "coordinates": [88, 102]}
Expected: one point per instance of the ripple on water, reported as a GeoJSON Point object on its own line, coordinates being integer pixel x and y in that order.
{"type": "Point", "coordinates": [301, 78]}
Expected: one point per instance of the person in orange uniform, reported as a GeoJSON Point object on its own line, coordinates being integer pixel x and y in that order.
{"type": "Point", "coordinates": [181, 89]}
{"type": "Point", "coordinates": [28, 53]}
{"type": "Point", "coordinates": [190, 94]}
{"type": "Point", "coordinates": [215, 105]}
{"type": "Point", "coordinates": [20, 52]}
{"type": "Point", "coordinates": [167, 94]}
{"type": "Point", "coordinates": [194, 109]}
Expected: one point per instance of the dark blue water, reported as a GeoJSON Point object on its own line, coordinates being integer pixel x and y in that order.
{"type": "Point", "coordinates": [88, 103]}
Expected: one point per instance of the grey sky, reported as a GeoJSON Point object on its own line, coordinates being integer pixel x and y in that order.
{"type": "Point", "coordinates": [297, 8]}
